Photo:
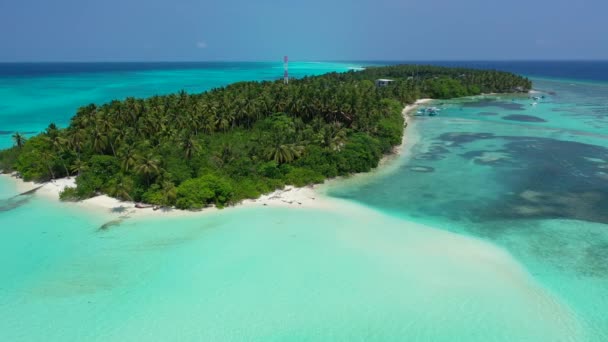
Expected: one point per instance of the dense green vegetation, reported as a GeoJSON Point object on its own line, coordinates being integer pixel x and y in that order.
{"type": "Point", "coordinates": [237, 142]}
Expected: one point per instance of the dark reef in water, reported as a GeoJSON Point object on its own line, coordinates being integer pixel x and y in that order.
{"type": "Point", "coordinates": [434, 152]}
{"type": "Point", "coordinates": [17, 200]}
{"type": "Point", "coordinates": [12, 132]}
{"type": "Point", "coordinates": [438, 148]}
{"type": "Point", "coordinates": [13, 203]}
{"type": "Point", "coordinates": [110, 224]}
{"type": "Point", "coordinates": [558, 179]}
{"type": "Point", "coordinates": [461, 138]}
{"type": "Point", "coordinates": [429, 156]}
{"type": "Point", "coordinates": [493, 158]}
{"type": "Point", "coordinates": [548, 178]}
{"type": "Point", "coordinates": [420, 168]}
{"type": "Point", "coordinates": [524, 118]}
{"type": "Point", "coordinates": [495, 103]}
{"type": "Point", "coordinates": [29, 192]}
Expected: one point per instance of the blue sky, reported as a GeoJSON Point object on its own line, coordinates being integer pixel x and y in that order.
{"type": "Point", "coordinates": [189, 30]}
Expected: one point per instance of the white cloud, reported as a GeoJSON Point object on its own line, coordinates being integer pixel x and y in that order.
{"type": "Point", "coordinates": [201, 45]}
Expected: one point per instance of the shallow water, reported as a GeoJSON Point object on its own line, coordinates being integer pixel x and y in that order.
{"type": "Point", "coordinates": [521, 254]}
{"type": "Point", "coordinates": [539, 188]}
{"type": "Point", "coordinates": [260, 274]}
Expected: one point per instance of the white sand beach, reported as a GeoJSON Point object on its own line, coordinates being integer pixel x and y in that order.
{"type": "Point", "coordinates": [306, 197]}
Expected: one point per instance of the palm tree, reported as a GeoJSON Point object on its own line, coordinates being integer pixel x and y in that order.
{"type": "Point", "coordinates": [19, 139]}
{"type": "Point", "coordinates": [224, 156]}
{"type": "Point", "coordinates": [169, 192]}
{"type": "Point", "coordinates": [113, 136]}
{"type": "Point", "coordinates": [47, 158]}
{"type": "Point", "coordinates": [148, 166]}
{"type": "Point", "coordinates": [120, 187]}
{"type": "Point", "coordinates": [208, 124]}
{"type": "Point", "coordinates": [332, 136]}
{"type": "Point", "coordinates": [76, 140]}
{"type": "Point", "coordinates": [79, 166]}
{"type": "Point", "coordinates": [58, 143]}
{"type": "Point", "coordinates": [223, 120]}
{"type": "Point", "coordinates": [284, 153]}
{"type": "Point", "coordinates": [128, 157]}
{"type": "Point", "coordinates": [52, 129]}
{"type": "Point", "coordinates": [99, 141]}
{"type": "Point", "coordinates": [190, 146]}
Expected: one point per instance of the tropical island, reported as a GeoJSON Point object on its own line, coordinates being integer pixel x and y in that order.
{"type": "Point", "coordinates": [238, 142]}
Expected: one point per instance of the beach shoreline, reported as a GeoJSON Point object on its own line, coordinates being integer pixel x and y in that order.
{"type": "Point", "coordinates": [311, 196]}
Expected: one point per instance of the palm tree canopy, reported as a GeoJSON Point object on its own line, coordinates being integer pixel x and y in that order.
{"type": "Point", "coordinates": [19, 139]}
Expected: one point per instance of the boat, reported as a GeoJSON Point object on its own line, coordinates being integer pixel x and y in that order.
{"type": "Point", "coordinates": [430, 111]}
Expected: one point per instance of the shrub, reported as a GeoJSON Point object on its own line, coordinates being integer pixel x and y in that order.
{"type": "Point", "coordinates": [270, 169]}
{"type": "Point", "coordinates": [361, 154]}
{"type": "Point", "coordinates": [69, 194]}
{"type": "Point", "coordinates": [300, 177]}
{"type": "Point", "coordinates": [154, 195]}
{"type": "Point", "coordinates": [199, 192]}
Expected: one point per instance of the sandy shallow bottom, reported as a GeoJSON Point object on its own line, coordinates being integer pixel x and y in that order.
{"type": "Point", "coordinates": [489, 178]}
{"type": "Point", "coordinates": [263, 274]}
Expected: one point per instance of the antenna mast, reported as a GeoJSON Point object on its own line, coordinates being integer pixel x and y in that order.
{"type": "Point", "coordinates": [286, 67]}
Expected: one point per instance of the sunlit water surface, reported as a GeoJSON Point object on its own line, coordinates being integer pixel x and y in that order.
{"type": "Point", "coordinates": [530, 178]}
{"type": "Point", "coordinates": [514, 247]}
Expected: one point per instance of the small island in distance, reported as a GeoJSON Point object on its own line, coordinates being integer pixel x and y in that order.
{"type": "Point", "coordinates": [222, 146]}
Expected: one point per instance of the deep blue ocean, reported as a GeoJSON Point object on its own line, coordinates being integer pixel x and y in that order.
{"type": "Point", "coordinates": [46, 69]}
{"type": "Point", "coordinates": [576, 70]}
{"type": "Point", "coordinates": [580, 70]}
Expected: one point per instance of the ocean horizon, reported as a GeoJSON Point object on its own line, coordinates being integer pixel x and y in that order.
{"type": "Point", "coordinates": [492, 225]}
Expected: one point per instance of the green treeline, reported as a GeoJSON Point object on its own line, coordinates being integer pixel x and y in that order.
{"type": "Point", "coordinates": [239, 141]}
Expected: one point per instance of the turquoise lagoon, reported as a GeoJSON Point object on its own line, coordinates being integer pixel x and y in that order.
{"type": "Point", "coordinates": [532, 179]}
{"type": "Point", "coordinates": [493, 228]}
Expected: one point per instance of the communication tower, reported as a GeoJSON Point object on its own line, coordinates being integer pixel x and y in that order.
{"type": "Point", "coordinates": [286, 67]}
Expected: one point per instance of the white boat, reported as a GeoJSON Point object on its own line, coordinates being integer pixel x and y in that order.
{"type": "Point", "coordinates": [430, 111]}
